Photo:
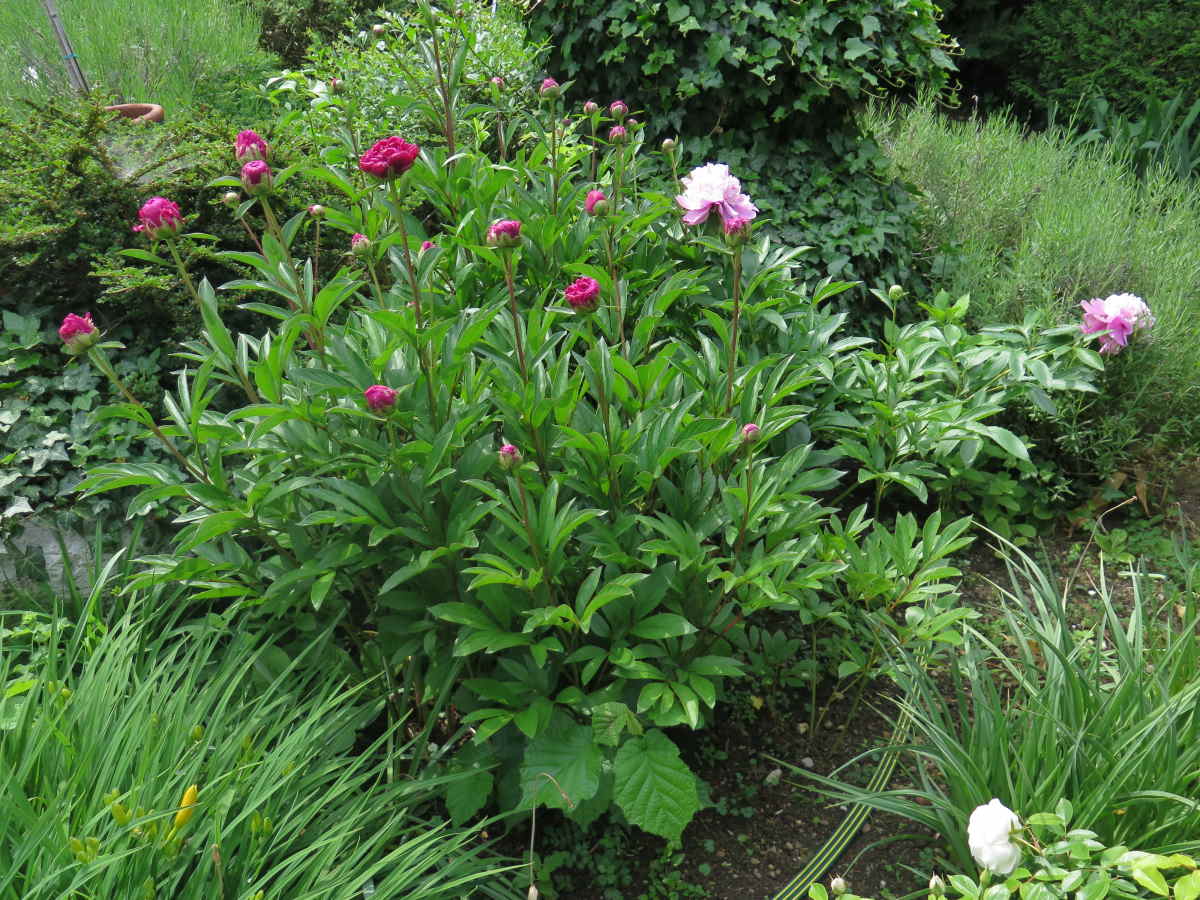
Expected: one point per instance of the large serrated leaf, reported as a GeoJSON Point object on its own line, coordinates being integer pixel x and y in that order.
{"type": "Point", "coordinates": [654, 788]}
{"type": "Point", "coordinates": [561, 766]}
{"type": "Point", "coordinates": [466, 796]}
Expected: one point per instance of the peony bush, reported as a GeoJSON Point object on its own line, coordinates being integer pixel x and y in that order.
{"type": "Point", "coordinates": [547, 441]}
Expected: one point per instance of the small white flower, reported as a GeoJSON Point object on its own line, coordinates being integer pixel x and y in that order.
{"type": "Point", "coordinates": [989, 834]}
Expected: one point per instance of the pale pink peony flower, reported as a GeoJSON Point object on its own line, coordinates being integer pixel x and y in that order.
{"type": "Point", "coordinates": [249, 146]}
{"type": "Point", "coordinates": [257, 178]}
{"type": "Point", "coordinates": [389, 158]}
{"type": "Point", "coordinates": [509, 456]}
{"type": "Point", "coordinates": [711, 187]}
{"type": "Point", "coordinates": [158, 218]}
{"type": "Point", "coordinates": [504, 233]}
{"type": "Point", "coordinates": [380, 398]}
{"type": "Point", "coordinates": [1115, 318]}
{"type": "Point", "coordinates": [78, 333]}
{"type": "Point", "coordinates": [595, 199]}
{"type": "Point", "coordinates": [582, 294]}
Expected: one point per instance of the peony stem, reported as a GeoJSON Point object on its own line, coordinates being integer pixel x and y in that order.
{"type": "Point", "coordinates": [733, 330]}
{"type": "Point", "coordinates": [516, 318]}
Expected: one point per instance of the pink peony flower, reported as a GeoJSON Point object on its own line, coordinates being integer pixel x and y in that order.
{"type": "Point", "coordinates": [249, 146]}
{"type": "Point", "coordinates": [550, 89]}
{"type": "Point", "coordinates": [78, 333]}
{"type": "Point", "coordinates": [618, 109]}
{"type": "Point", "coordinates": [509, 456]}
{"type": "Point", "coordinates": [595, 199]}
{"type": "Point", "coordinates": [582, 294]}
{"type": "Point", "coordinates": [617, 134]}
{"type": "Point", "coordinates": [359, 244]}
{"type": "Point", "coordinates": [1115, 318]}
{"type": "Point", "coordinates": [504, 233]}
{"type": "Point", "coordinates": [427, 245]}
{"type": "Point", "coordinates": [380, 398]}
{"type": "Point", "coordinates": [257, 178]}
{"type": "Point", "coordinates": [750, 432]}
{"type": "Point", "coordinates": [711, 187]}
{"type": "Point", "coordinates": [389, 158]}
{"type": "Point", "coordinates": [158, 218]}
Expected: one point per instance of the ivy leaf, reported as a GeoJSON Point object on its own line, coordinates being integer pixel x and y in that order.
{"type": "Point", "coordinates": [855, 47]}
{"type": "Point", "coordinates": [561, 767]}
{"type": "Point", "coordinates": [654, 788]}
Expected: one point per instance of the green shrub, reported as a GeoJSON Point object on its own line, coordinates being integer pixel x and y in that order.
{"type": "Point", "coordinates": [1033, 224]}
{"type": "Point", "coordinates": [140, 51]}
{"type": "Point", "coordinates": [100, 741]}
{"type": "Point", "coordinates": [291, 28]}
{"type": "Point", "coordinates": [578, 591]}
{"type": "Point", "coordinates": [1164, 132]}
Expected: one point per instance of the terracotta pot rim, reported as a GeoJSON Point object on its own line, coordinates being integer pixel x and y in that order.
{"type": "Point", "coordinates": [138, 112]}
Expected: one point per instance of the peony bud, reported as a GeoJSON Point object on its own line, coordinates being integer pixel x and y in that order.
{"type": "Point", "coordinates": [550, 89]}
{"type": "Point", "coordinates": [257, 178]}
{"type": "Point", "coordinates": [427, 245]}
{"type": "Point", "coordinates": [360, 244]}
{"type": "Point", "coordinates": [159, 217]}
{"type": "Point", "coordinates": [596, 203]}
{"type": "Point", "coordinates": [378, 29]}
{"type": "Point", "coordinates": [505, 234]}
{"type": "Point", "coordinates": [509, 456]}
{"type": "Point", "coordinates": [937, 887]}
{"type": "Point", "coordinates": [78, 333]}
{"type": "Point", "coordinates": [336, 85]}
{"type": "Point", "coordinates": [187, 806]}
{"type": "Point", "coordinates": [249, 146]}
{"type": "Point", "coordinates": [668, 145]}
{"type": "Point", "coordinates": [582, 294]}
{"type": "Point", "coordinates": [838, 886]}
{"type": "Point", "coordinates": [895, 292]}
{"type": "Point", "coordinates": [380, 398]}
{"type": "Point", "coordinates": [591, 108]}
{"type": "Point", "coordinates": [316, 211]}
{"type": "Point", "coordinates": [750, 433]}
{"type": "Point", "coordinates": [618, 109]}
{"type": "Point", "coordinates": [498, 82]}
{"type": "Point", "coordinates": [631, 123]}
{"type": "Point", "coordinates": [617, 134]}
{"type": "Point", "coordinates": [231, 198]}
{"type": "Point", "coordinates": [389, 158]}
{"type": "Point", "coordinates": [737, 229]}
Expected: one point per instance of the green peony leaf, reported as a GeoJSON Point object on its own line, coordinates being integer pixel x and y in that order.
{"type": "Point", "coordinates": [654, 788]}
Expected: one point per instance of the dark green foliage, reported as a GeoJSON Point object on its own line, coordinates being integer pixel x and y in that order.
{"type": "Point", "coordinates": [290, 27]}
{"type": "Point", "coordinates": [1130, 51]}
{"type": "Point", "coordinates": [1164, 132]}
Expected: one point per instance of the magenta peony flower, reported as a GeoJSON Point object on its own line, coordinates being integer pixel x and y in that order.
{"type": "Point", "coordinates": [78, 333]}
{"type": "Point", "coordinates": [596, 203]}
{"type": "Point", "coordinates": [550, 89]}
{"type": "Point", "coordinates": [159, 217]}
{"type": "Point", "coordinates": [617, 134]}
{"type": "Point", "coordinates": [427, 245]}
{"type": "Point", "coordinates": [712, 187]}
{"type": "Point", "coordinates": [509, 456]}
{"type": "Point", "coordinates": [380, 398]}
{"type": "Point", "coordinates": [618, 109]}
{"type": "Point", "coordinates": [359, 244]}
{"type": "Point", "coordinates": [389, 158]}
{"type": "Point", "coordinates": [257, 178]}
{"type": "Point", "coordinates": [582, 294]}
{"type": "Point", "coordinates": [750, 433]}
{"type": "Point", "coordinates": [249, 146]}
{"type": "Point", "coordinates": [1115, 318]}
{"type": "Point", "coordinates": [504, 233]}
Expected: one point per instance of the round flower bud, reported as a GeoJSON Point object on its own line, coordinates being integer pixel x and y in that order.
{"type": "Point", "coordinates": [509, 456]}
{"type": "Point", "coordinates": [737, 229]}
{"type": "Point", "coordinates": [257, 178]}
{"type": "Point", "coordinates": [668, 145]}
{"type": "Point", "coordinates": [231, 198]}
{"type": "Point", "coordinates": [895, 292]}
{"type": "Point", "coordinates": [750, 433]}
{"type": "Point", "coordinates": [249, 146]}
{"type": "Point", "coordinates": [596, 203]}
{"type": "Point", "coordinates": [618, 109]}
{"type": "Point", "coordinates": [591, 108]}
{"type": "Point", "coordinates": [582, 294]}
{"type": "Point", "coordinates": [427, 245]}
{"type": "Point", "coordinates": [336, 85]}
{"type": "Point", "coordinates": [360, 244]}
{"type": "Point", "coordinates": [617, 134]}
{"type": "Point", "coordinates": [78, 333]}
{"type": "Point", "coordinates": [550, 89]}
{"type": "Point", "coordinates": [159, 217]}
{"type": "Point", "coordinates": [937, 887]}
{"type": "Point", "coordinates": [380, 398]}
{"type": "Point", "coordinates": [498, 81]}
{"type": "Point", "coordinates": [378, 29]}
{"type": "Point", "coordinates": [631, 123]}
{"type": "Point", "coordinates": [505, 234]}
{"type": "Point", "coordinates": [316, 211]}
{"type": "Point", "coordinates": [838, 886]}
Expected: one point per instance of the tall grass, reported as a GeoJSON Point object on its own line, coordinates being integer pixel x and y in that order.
{"type": "Point", "coordinates": [136, 50]}
{"type": "Point", "coordinates": [1106, 716]}
{"type": "Point", "coordinates": [1037, 222]}
{"type": "Point", "coordinates": [100, 740]}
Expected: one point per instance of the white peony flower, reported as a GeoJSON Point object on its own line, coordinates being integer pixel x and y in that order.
{"type": "Point", "coordinates": [989, 834]}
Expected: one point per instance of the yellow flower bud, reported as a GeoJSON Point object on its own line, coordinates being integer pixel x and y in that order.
{"type": "Point", "coordinates": [186, 807]}
{"type": "Point", "coordinates": [198, 733]}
